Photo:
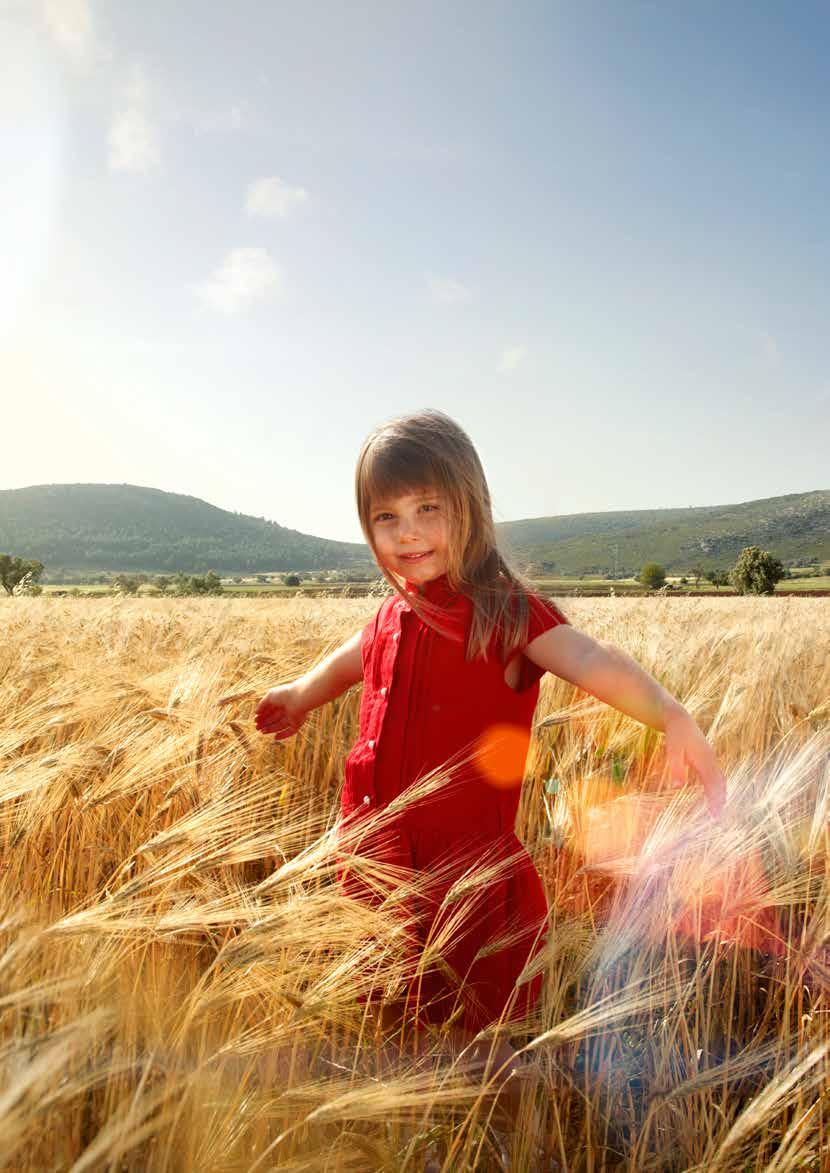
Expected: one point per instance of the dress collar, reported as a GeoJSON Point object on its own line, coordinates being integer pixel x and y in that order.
{"type": "Point", "coordinates": [437, 591]}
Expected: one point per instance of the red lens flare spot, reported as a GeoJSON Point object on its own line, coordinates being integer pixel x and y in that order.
{"type": "Point", "coordinates": [501, 754]}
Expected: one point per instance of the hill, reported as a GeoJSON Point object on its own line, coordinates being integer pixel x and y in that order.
{"type": "Point", "coordinates": [796, 528]}
{"type": "Point", "coordinates": [129, 528]}
{"type": "Point", "coordinates": [126, 527]}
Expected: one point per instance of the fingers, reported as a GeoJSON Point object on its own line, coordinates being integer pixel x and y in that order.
{"type": "Point", "coordinates": [278, 723]}
{"type": "Point", "coordinates": [676, 768]}
{"type": "Point", "coordinates": [680, 762]}
{"type": "Point", "coordinates": [273, 717]}
{"type": "Point", "coordinates": [712, 780]}
{"type": "Point", "coordinates": [276, 726]}
{"type": "Point", "coordinates": [714, 787]}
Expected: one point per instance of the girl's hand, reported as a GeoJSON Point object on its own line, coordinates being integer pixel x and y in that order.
{"type": "Point", "coordinates": [686, 747]}
{"type": "Point", "coordinates": [280, 712]}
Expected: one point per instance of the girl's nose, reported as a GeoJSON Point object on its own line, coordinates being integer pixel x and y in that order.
{"type": "Point", "coordinates": [409, 531]}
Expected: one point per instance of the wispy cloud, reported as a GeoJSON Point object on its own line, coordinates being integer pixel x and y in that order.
{"type": "Point", "coordinates": [245, 276]}
{"type": "Point", "coordinates": [512, 357]}
{"type": "Point", "coordinates": [271, 197]}
{"type": "Point", "coordinates": [71, 26]}
{"type": "Point", "coordinates": [134, 143]}
{"type": "Point", "coordinates": [447, 291]}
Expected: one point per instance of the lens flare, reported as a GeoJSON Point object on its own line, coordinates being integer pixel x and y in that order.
{"type": "Point", "coordinates": [501, 754]}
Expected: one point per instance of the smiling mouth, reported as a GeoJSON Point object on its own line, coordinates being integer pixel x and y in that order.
{"type": "Point", "coordinates": [416, 557]}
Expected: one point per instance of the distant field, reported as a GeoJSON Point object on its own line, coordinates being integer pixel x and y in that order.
{"type": "Point", "coordinates": [565, 586]}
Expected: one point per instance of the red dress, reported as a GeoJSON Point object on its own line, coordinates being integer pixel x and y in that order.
{"type": "Point", "coordinates": [423, 704]}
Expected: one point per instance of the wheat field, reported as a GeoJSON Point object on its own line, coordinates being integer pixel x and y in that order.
{"type": "Point", "coordinates": [179, 973]}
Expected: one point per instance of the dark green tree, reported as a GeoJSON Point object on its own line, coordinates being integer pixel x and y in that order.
{"type": "Point", "coordinates": [756, 572]}
{"type": "Point", "coordinates": [13, 570]}
{"type": "Point", "coordinates": [208, 584]}
{"type": "Point", "coordinates": [126, 584]}
{"type": "Point", "coordinates": [198, 584]}
{"type": "Point", "coordinates": [291, 579]}
{"type": "Point", "coordinates": [653, 575]}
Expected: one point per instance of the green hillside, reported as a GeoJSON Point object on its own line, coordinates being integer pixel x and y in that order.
{"type": "Point", "coordinates": [128, 528]}
{"type": "Point", "coordinates": [795, 528]}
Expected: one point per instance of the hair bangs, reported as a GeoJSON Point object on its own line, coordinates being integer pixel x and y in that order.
{"type": "Point", "coordinates": [392, 466]}
{"type": "Point", "coordinates": [398, 466]}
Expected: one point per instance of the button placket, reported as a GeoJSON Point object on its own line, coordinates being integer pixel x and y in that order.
{"type": "Point", "coordinates": [386, 656]}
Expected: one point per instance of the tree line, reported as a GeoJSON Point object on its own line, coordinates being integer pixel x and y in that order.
{"type": "Point", "coordinates": [755, 573]}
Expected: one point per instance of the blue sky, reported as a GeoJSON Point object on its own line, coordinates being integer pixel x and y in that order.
{"type": "Point", "coordinates": [239, 236]}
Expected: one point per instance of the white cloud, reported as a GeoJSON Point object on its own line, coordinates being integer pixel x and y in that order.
{"type": "Point", "coordinates": [133, 138]}
{"type": "Point", "coordinates": [446, 291]}
{"type": "Point", "coordinates": [512, 357]}
{"type": "Point", "coordinates": [133, 142]}
{"type": "Point", "coordinates": [269, 196]}
{"type": "Point", "coordinates": [245, 275]}
{"type": "Point", "coordinates": [71, 26]}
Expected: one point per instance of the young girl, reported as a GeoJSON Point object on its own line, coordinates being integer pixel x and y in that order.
{"type": "Point", "coordinates": [450, 666]}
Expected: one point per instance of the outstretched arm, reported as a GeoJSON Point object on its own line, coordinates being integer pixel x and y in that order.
{"type": "Point", "coordinates": [340, 670]}
{"type": "Point", "coordinates": [609, 674]}
{"type": "Point", "coordinates": [283, 709]}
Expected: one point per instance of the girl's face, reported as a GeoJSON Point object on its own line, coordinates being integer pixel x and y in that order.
{"type": "Point", "coordinates": [410, 535]}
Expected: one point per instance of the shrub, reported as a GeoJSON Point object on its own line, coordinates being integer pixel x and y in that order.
{"type": "Point", "coordinates": [126, 585]}
{"type": "Point", "coordinates": [195, 584]}
{"type": "Point", "coordinates": [756, 572]}
{"type": "Point", "coordinates": [653, 575]}
{"type": "Point", "coordinates": [16, 572]}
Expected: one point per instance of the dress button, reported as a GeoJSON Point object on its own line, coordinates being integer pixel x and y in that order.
{"type": "Point", "coordinates": [371, 743]}
{"type": "Point", "coordinates": [366, 800]}
{"type": "Point", "coordinates": [383, 691]}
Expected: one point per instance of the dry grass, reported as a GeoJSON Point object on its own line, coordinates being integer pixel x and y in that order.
{"type": "Point", "coordinates": [179, 973]}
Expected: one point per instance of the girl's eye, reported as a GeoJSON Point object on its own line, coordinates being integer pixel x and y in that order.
{"type": "Point", "coordinates": [430, 505]}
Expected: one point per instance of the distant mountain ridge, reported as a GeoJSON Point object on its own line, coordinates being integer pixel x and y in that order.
{"type": "Point", "coordinates": [131, 528]}
{"type": "Point", "coordinates": [795, 527]}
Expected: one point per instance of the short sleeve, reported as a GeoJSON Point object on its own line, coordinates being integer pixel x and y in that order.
{"type": "Point", "coordinates": [543, 614]}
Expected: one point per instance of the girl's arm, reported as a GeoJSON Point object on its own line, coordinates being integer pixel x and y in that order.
{"type": "Point", "coordinates": [283, 709]}
{"type": "Point", "coordinates": [611, 675]}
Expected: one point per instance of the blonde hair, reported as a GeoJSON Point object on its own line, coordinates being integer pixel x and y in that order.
{"type": "Point", "coordinates": [430, 450]}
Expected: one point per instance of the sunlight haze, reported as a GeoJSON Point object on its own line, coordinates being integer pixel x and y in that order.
{"type": "Point", "coordinates": [236, 237]}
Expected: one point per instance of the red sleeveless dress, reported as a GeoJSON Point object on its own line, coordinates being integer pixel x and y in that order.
{"type": "Point", "coordinates": [423, 706]}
